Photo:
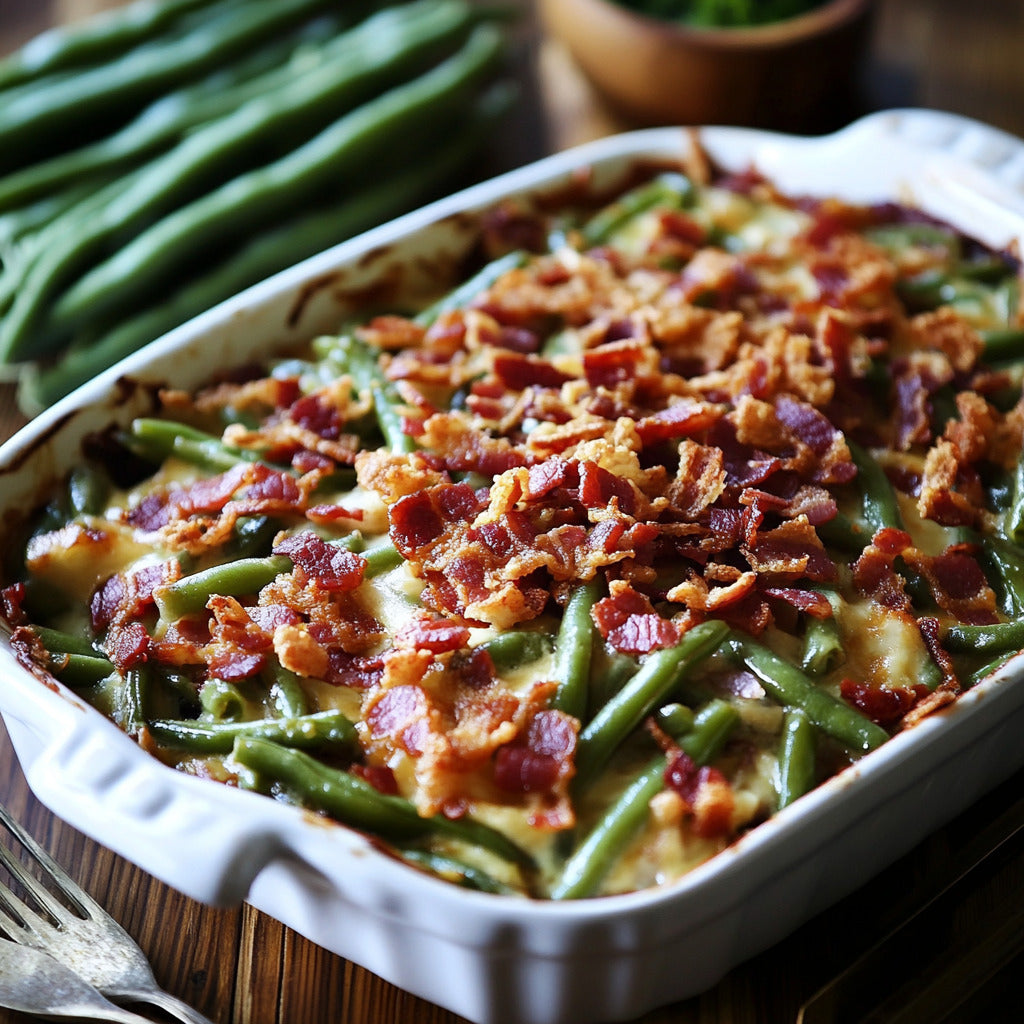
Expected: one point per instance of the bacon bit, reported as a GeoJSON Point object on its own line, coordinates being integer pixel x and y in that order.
{"type": "Point", "coordinates": [884, 705]}
{"type": "Point", "coordinates": [11, 599]}
{"type": "Point", "coordinates": [127, 645]}
{"type": "Point", "coordinates": [434, 635]}
{"type": "Point", "coordinates": [525, 371]}
{"type": "Point", "coordinates": [628, 621]}
{"type": "Point", "coordinates": [706, 792]}
{"type": "Point", "coordinates": [958, 584]}
{"type": "Point", "coordinates": [334, 568]}
{"type": "Point", "coordinates": [682, 419]}
{"type": "Point", "coordinates": [403, 714]}
{"type": "Point", "coordinates": [540, 756]}
{"type": "Point", "coordinates": [380, 777]}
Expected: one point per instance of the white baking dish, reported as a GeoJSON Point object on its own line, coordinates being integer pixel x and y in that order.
{"type": "Point", "coordinates": [498, 959]}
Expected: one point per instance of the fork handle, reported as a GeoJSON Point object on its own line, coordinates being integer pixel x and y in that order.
{"type": "Point", "coordinates": [171, 1004]}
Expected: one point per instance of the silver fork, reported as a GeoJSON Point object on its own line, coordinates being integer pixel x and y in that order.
{"type": "Point", "coordinates": [85, 937]}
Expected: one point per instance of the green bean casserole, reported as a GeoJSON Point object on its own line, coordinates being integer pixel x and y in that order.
{"type": "Point", "coordinates": [683, 502]}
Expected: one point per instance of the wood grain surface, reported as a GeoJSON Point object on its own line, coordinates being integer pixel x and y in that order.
{"type": "Point", "coordinates": [961, 954]}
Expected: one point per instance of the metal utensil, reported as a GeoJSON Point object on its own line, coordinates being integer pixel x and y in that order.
{"type": "Point", "coordinates": [33, 982]}
{"type": "Point", "coordinates": [79, 932]}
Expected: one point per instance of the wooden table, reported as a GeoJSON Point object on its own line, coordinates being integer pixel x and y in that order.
{"type": "Point", "coordinates": [242, 967]}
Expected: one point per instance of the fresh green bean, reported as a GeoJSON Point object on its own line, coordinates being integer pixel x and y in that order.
{"type": "Point", "coordinates": [377, 53]}
{"type": "Point", "coordinates": [573, 649]}
{"type": "Point", "coordinates": [94, 40]}
{"type": "Point", "coordinates": [589, 863]}
{"type": "Point", "coordinates": [166, 120]}
{"type": "Point", "coordinates": [323, 730]}
{"type": "Point", "coordinates": [624, 711]}
{"type": "Point", "coordinates": [88, 102]}
{"type": "Point", "coordinates": [190, 594]}
{"type": "Point", "coordinates": [270, 252]}
{"type": "Point", "coordinates": [517, 647]}
{"type": "Point", "coordinates": [671, 190]}
{"type": "Point", "coordinates": [789, 686]}
{"type": "Point", "coordinates": [355, 802]}
{"type": "Point", "coordinates": [796, 757]}
{"type": "Point", "coordinates": [358, 142]}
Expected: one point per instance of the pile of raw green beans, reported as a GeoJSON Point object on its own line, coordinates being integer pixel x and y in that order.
{"type": "Point", "coordinates": [160, 158]}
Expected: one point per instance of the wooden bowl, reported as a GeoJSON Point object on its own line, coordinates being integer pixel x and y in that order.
{"type": "Point", "coordinates": [793, 75]}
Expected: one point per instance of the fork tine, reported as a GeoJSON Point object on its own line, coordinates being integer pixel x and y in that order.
{"type": "Point", "coordinates": [81, 900]}
{"type": "Point", "coordinates": [39, 892]}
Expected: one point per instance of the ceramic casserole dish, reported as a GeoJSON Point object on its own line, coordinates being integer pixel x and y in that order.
{"type": "Point", "coordinates": [487, 958]}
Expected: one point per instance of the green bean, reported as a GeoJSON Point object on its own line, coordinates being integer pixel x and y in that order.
{"type": "Point", "coordinates": [360, 141]}
{"type": "Point", "coordinates": [674, 719]}
{"type": "Point", "coordinates": [990, 666]}
{"type": "Point", "coordinates": [367, 376]}
{"type": "Point", "coordinates": [271, 251]}
{"type": "Point", "coordinates": [789, 686]}
{"type": "Point", "coordinates": [517, 647]}
{"type": "Point", "coordinates": [355, 802]}
{"type": "Point", "coordinates": [88, 489]}
{"type": "Point", "coordinates": [666, 190]}
{"type": "Point", "coordinates": [90, 101]}
{"type": "Point", "coordinates": [94, 40]}
{"type": "Point", "coordinates": [166, 120]}
{"type": "Point", "coordinates": [222, 701]}
{"type": "Point", "coordinates": [79, 670]}
{"type": "Point", "coordinates": [375, 54]}
{"type": "Point", "coordinates": [453, 870]}
{"type": "Point", "coordinates": [190, 594]}
{"type": "Point", "coordinates": [60, 642]}
{"type": "Point", "coordinates": [381, 557]}
{"type": "Point", "coordinates": [999, 637]}
{"type": "Point", "coordinates": [660, 672]}
{"type": "Point", "coordinates": [589, 863]}
{"type": "Point", "coordinates": [1003, 345]}
{"type": "Point", "coordinates": [573, 648]}
{"type": "Point", "coordinates": [796, 757]}
{"type": "Point", "coordinates": [1013, 521]}
{"type": "Point", "coordinates": [879, 505]}
{"type": "Point", "coordinates": [135, 698]}
{"type": "Point", "coordinates": [823, 645]}
{"type": "Point", "coordinates": [323, 730]}
{"type": "Point", "coordinates": [287, 693]}
{"type": "Point", "coordinates": [480, 281]}
{"type": "Point", "coordinates": [1005, 563]}
{"type": "Point", "coordinates": [712, 727]}
{"type": "Point", "coordinates": [157, 440]}
{"type": "Point", "coordinates": [253, 536]}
